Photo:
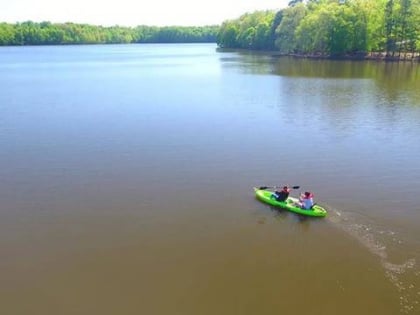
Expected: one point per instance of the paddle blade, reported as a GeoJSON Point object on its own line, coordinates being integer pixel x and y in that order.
{"type": "Point", "coordinates": [265, 187]}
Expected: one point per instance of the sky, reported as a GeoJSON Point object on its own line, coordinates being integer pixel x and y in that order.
{"type": "Point", "coordinates": [132, 12]}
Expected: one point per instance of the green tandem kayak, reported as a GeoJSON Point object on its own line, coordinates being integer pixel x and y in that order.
{"type": "Point", "coordinates": [289, 204]}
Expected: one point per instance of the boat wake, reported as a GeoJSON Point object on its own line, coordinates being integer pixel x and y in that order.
{"type": "Point", "coordinates": [402, 275]}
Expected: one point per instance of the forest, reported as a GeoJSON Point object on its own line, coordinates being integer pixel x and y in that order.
{"type": "Point", "coordinates": [330, 28]}
{"type": "Point", "coordinates": [46, 33]}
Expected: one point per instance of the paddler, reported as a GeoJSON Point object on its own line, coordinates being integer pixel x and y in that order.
{"type": "Point", "coordinates": [281, 195]}
{"type": "Point", "coordinates": [307, 200]}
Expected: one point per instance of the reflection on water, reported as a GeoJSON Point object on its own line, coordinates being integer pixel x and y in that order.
{"type": "Point", "coordinates": [392, 78]}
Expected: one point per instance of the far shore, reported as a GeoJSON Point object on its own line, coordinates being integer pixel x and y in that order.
{"type": "Point", "coordinates": [359, 56]}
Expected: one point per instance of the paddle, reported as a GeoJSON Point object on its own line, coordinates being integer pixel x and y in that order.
{"type": "Point", "coordinates": [265, 187]}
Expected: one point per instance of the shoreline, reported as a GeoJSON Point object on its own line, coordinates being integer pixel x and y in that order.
{"type": "Point", "coordinates": [374, 56]}
{"type": "Point", "coordinates": [370, 56]}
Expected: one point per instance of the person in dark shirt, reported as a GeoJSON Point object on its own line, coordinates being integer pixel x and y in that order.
{"type": "Point", "coordinates": [281, 195]}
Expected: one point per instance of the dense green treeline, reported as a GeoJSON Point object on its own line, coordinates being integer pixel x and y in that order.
{"type": "Point", "coordinates": [329, 28]}
{"type": "Point", "coordinates": [45, 33]}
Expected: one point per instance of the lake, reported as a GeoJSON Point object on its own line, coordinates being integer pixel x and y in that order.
{"type": "Point", "coordinates": [127, 175]}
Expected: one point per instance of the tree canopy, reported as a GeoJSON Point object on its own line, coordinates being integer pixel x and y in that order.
{"type": "Point", "coordinates": [46, 33]}
{"type": "Point", "coordinates": [329, 27]}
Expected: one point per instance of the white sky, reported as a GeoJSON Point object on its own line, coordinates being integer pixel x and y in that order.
{"type": "Point", "coordinates": [132, 12]}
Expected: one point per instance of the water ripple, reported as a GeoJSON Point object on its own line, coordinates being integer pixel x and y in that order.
{"type": "Point", "coordinates": [401, 275]}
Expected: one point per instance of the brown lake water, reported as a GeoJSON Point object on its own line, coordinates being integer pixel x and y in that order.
{"type": "Point", "coordinates": [127, 174]}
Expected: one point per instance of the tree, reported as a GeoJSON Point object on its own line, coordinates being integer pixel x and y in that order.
{"type": "Point", "coordinates": [405, 30]}
{"type": "Point", "coordinates": [274, 25]}
{"type": "Point", "coordinates": [292, 16]}
{"type": "Point", "coordinates": [263, 38]}
{"type": "Point", "coordinates": [249, 31]}
{"type": "Point", "coordinates": [389, 27]}
{"type": "Point", "coordinates": [227, 35]}
{"type": "Point", "coordinates": [7, 34]}
{"type": "Point", "coordinates": [372, 12]}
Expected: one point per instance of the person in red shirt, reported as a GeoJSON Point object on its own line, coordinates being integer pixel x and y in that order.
{"type": "Point", "coordinates": [307, 200]}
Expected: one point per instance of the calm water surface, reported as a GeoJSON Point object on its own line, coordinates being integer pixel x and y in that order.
{"type": "Point", "coordinates": [127, 174]}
